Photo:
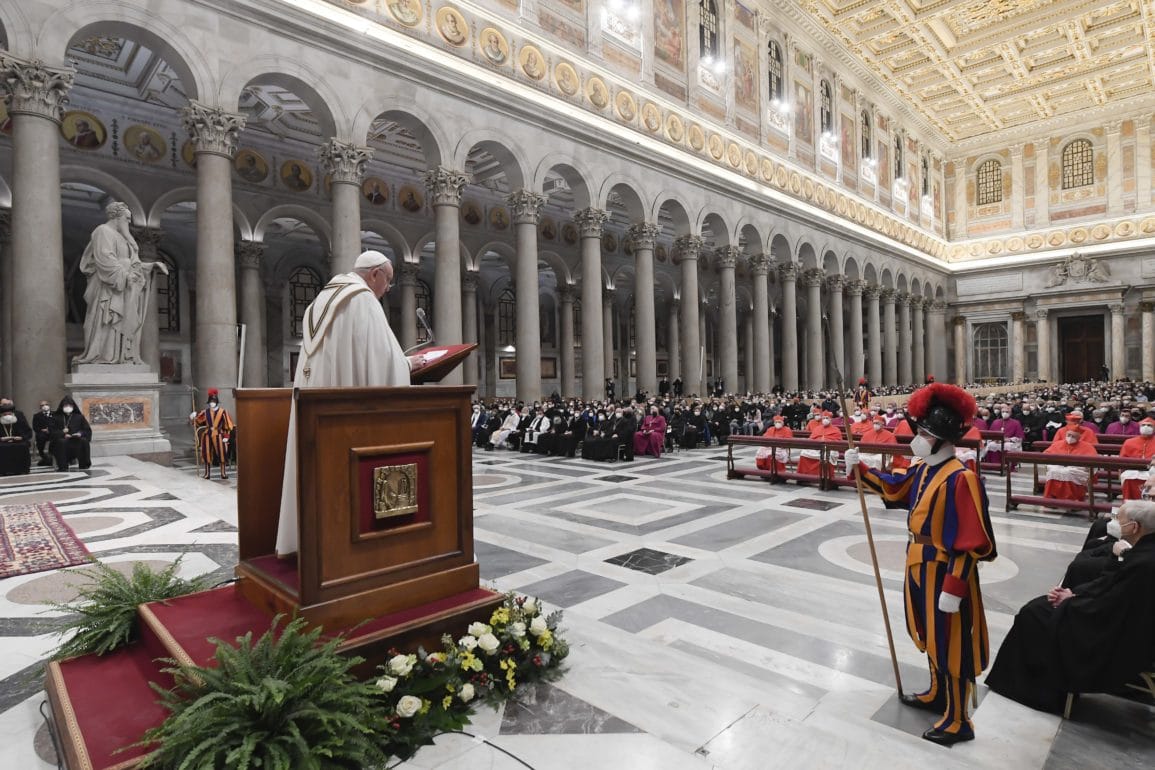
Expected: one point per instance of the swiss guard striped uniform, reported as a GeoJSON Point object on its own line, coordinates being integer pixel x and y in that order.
{"type": "Point", "coordinates": [950, 531]}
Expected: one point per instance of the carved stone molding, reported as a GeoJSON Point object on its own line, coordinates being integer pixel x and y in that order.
{"type": "Point", "coordinates": [567, 292]}
{"type": "Point", "coordinates": [871, 292]}
{"type": "Point", "coordinates": [5, 225]}
{"type": "Point", "coordinates": [688, 246]}
{"type": "Point", "coordinates": [345, 161]}
{"type": "Point", "coordinates": [643, 235]}
{"type": "Point", "coordinates": [727, 257]}
{"type": "Point", "coordinates": [590, 222]}
{"type": "Point", "coordinates": [1018, 316]}
{"type": "Point", "coordinates": [34, 88]}
{"type": "Point", "coordinates": [902, 298]}
{"type": "Point", "coordinates": [1146, 307]}
{"type": "Point", "coordinates": [445, 185]}
{"type": "Point", "coordinates": [759, 264]}
{"type": "Point", "coordinates": [147, 240]}
{"type": "Point", "coordinates": [959, 320]}
{"type": "Point", "coordinates": [856, 287]}
{"type": "Point", "coordinates": [408, 273]}
{"type": "Point", "coordinates": [525, 207]}
{"type": "Point", "coordinates": [886, 296]}
{"type": "Point", "coordinates": [249, 254]}
{"type": "Point", "coordinates": [813, 277]}
{"type": "Point", "coordinates": [469, 282]}
{"type": "Point", "coordinates": [836, 282]}
{"type": "Point", "coordinates": [788, 271]}
{"type": "Point", "coordinates": [1041, 314]}
{"type": "Point", "coordinates": [936, 306]}
{"type": "Point", "coordinates": [1116, 308]}
{"type": "Point", "coordinates": [212, 130]}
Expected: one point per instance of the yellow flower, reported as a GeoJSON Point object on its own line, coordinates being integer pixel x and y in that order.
{"type": "Point", "coordinates": [467, 660]}
{"type": "Point", "coordinates": [425, 706]}
{"type": "Point", "coordinates": [545, 640]}
{"type": "Point", "coordinates": [500, 615]}
{"type": "Point", "coordinates": [446, 701]}
{"type": "Point", "coordinates": [510, 669]}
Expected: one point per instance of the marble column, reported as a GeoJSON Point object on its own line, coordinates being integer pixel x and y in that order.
{"type": "Point", "coordinates": [214, 135]}
{"type": "Point", "coordinates": [917, 340]}
{"type": "Point", "coordinates": [1143, 170]}
{"type": "Point", "coordinates": [36, 97]}
{"type": "Point", "coordinates": [1018, 348]}
{"type": "Point", "coordinates": [568, 380]}
{"type": "Point", "coordinates": [936, 339]}
{"type": "Point", "coordinates": [254, 366]}
{"type": "Point", "coordinates": [673, 339]}
{"type": "Point", "coordinates": [688, 248]}
{"type": "Point", "coordinates": [834, 285]}
{"type": "Point", "coordinates": [815, 350]}
{"type": "Point", "coordinates": [1018, 195]}
{"type": "Point", "coordinates": [1042, 183]}
{"type": "Point", "coordinates": [1118, 342]}
{"type": "Point", "coordinates": [1115, 175]}
{"type": "Point", "coordinates": [889, 338]}
{"type": "Point", "coordinates": [147, 241]}
{"type": "Point", "coordinates": [6, 296]}
{"type": "Point", "coordinates": [960, 350]}
{"type": "Point", "coordinates": [407, 273]}
{"type": "Point", "coordinates": [788, 272]}
{"type": "Point", "coordinates": [608, 338]}
{"type": "Point", "coordinates": [857, 364]}
{"type": "Point", "coordinates": [709, 352]}
{"type": "Point", "coordinates": [1043, 335]}
{"type": "Point", "coordinates": [873, 335]}
{"type": "Point", "coordinates": [728, 317]}
{"type": "Point", "coordinates": [590, 222]}
{"type": "Point", "coordinates": [469, 325]}
{"type": "Point", "coordinates": [645, 318]}
{"type": "Point", "coordinates": [770, 347]}
{"type": "Point", "coordinates": [1147, 340]}
{"type": "Point", "coordinates": [748, 345]}
{"type": "Point", "coordinates": [525, 210]}
{"type": "Point", "coordinates": [905, 373]}
{"type": "Point", "coordinates": [445, 186]}
{"type": "Point", "coordinates": [759, 374]}
{"type": "Point", "coordinates": [345, 164]}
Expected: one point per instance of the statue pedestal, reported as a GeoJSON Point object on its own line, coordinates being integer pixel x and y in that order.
{"type": "Point", "coordinates": [122, 404]}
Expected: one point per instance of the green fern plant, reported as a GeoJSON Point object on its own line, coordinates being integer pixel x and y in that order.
{"type": "Point", "coordinates": [104, 616]}
{"type": "Point", "coordinates": [284, 702]}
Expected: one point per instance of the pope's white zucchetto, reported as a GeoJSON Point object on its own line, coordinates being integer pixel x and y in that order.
{"type": "Point", "coordinates": [369, 260]}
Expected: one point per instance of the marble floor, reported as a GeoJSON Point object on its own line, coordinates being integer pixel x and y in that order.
{"type": "Point", "coordinates": [714, 623]}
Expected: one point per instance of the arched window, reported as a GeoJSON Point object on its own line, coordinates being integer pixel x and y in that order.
{"type": "Point", "coordinates": [925, 176]}
{"type": "Point", "coordinates": [989, 182]}
{"type": "Point", "coordinates": [707, 31]}
{"type": "Point", "coordinates": [990, 351]}
{"type": "Point", "coordinates": [168, 295]}
{"type": "Point", "coordinates": [506, 318]}
{"type": "Point", "coordinates": [1078, 164]}
{"type": "Point", "coordinates": [867, 136]}
{"type": "Point", "coordinates": [424, 300]}
{"type": "Point", "coordinates": [774, 70]}
{"type": "Point", "coordinates": [304, 285]}
{"type": "Point", "coordinates": [899, 158]}
{"type": "Point", "coordinates": [577, 323]}
{"type": "Point", "coordinates": [826, 108]}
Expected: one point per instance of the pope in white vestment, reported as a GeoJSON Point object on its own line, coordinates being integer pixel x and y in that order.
{"type": "Point", "coordinates": [346, 343]}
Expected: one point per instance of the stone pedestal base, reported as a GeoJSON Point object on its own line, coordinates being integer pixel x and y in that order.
{"type": "Point", "coordinates": [122, 404]}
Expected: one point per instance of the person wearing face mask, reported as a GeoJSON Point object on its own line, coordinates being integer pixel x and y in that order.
{"type": "Point", "coordinates": [893, 418]}
{"type": "Point", "coordinates": [1013, 436]}
{"type": "Point", "coordinates": [508, 428]}
{"type": "Point", "coordinates": [479, 425]}
{"type": "Point", "coordinates": [1093, 637]}
{"type": "Point", "coordinates": [774, 459]}
{"type": "Point", "coordinates": [652, 435]}
{"type": "Point", "coordinates": [858, 423]}
{"type": "Point", "coordinates": [949, 533]}
{"type": "Point", "coordinates": [74, 439]}
{"type": "Point", "coordinates": [1075, 422]}
{"type": "Point", "coordinates": [694, 429]}
{"type": "Point", "coordinates": [214, 430]}
{"type": "Point", "coordinates": [1126, 425]}
{"type": "Point", "coordinates": [46, 427]}
{"type": "Point", "coordinates": [809, 460]}
{"type": "Point", "coordinates": [15, 441]}
{"type": "Point", "coordinates": [537, 428]}
{"type": "Point", "coordinates": [876, 433]}
{"type": "Point", "coordinates": [1067, 482]}
{"type": "Point", "coordinates": [1138, 447]}
{"type": "Point", "coordinates": [625, 426]}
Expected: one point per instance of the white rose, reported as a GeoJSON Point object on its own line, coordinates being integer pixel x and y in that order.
{"type": "Point", "coordinates": [468, 642]}
{"type": "Point", "coordinates": [387, 683]}
{"type": "Point", "coordinates": [517, 630]}
{"type": "Point", "coordinates": [408, 706]}
{"type": "Point", "coordinates": [488, 643]}
{"type": "Point", "coordinates": [477, 629]}
{"type": "Point", "coordinates": [530, 607]}
{"type": "Point", "coordinates": [400, 665]}
{"type": "Point", "coordinates": [537, 626]}
{"type": "Point", "coordinates": [466, 693]}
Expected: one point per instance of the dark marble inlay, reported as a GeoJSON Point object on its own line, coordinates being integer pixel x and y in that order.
{"type": "Point", "coordinates": [496, 562]}
{"type": "Point", "coordinates": [813, 504]}
{"type": "Point", "coordinates": [161, 496]}
{"type": "Point", "coordinates": [649, 561]}
{"type": "Point", "coordinates": [542, 709]}
{"type": "Point", "coordinates": [722, 536]}
{"type": "Point", "coordinates": [615, 479]}
{"type": "Point", "coordinates": [570, 588]}
{"type": "Point", "coordinates": [909, 720]}
{"type": "Point", "coordinates": [1104, 731]}
{"type": "Point", "coordinates": [216, 526]}
{"type": "Point", "coordinates": [160, 517]}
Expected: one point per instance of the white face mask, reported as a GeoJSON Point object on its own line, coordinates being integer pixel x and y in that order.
{"type": "Point", "coordinates": [778, 424]}
{"type": "Point", "coordinates": [1146, 430]}
{"type": "Point", "coordinates": [921, 446]}
{"type": "Point", "coordinates": [1006, 415]}
{"type": "Point", "coordinates": [825, 420]}
{"type": "Point", "coordinates": [1124, 418]}
{"type": "Point", "coordinates": [878, 426]}
{"type": "Point", "coordinates": [46, 409]}
{"type": "Point", "coordinates": [1115, 529]}
{"type": "Point", "coordinates": [8, 419]}
{"type": "Point", "coordinates": [67, 410]}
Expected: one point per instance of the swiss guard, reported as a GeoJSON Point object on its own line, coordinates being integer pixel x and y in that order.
{"type": "Point", "coordinates": [214, 430]}
{"type": "Point", "coordinates": [949, 533]}
{"type": "Point", "coordinates": [862, 394]}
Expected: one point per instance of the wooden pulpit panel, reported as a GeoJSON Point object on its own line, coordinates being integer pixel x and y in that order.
{"type": "Point", "coordinates": [263, 426]}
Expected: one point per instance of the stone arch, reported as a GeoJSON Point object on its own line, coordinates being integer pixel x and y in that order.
{"type": "Point", "coordinates": [665, 282]}
{"type": "Point", "coordinates": [468, 260]}
{"type": "Point", "coordinates": [807, 257]}
{"type": "Point", "coordinates": [423, 126]}
{"type": "Point", "coordinates": [901, 283]}
{"type": "Point", "coordinates": [502, 249]}
{"type": "Point", "coordinates": [620, 182]}
{"type": "Point", "coordinates": [916, 287]}
{"type": "Point", "coordinates": [679, 218]}
{"type": "Point", "coordinates": [84, 20]}
{"type": "Point", "coordinates": [886, 280]}
{"type": "Point", "coordinates": [390, 235]}
{"type": "Point", "coordinates": [575, 177]}
{"type": "Point", "coordinates": [110, 184]}
{"type": "Point", "coordinates": [830, 263]}
{"type": "Point", "coordinates": [15, 31]}
{"type": "Point", "coordinates": [292, 76]}
{"type": "Point", "coordinates": [850, 269]}
{"type": "Point", "coordinates": [241, 220]}
{"type": "Point", "coordinates": [512, 159]}
{"type": "Point", "coordinates": [748, 236]}
{"type": "Point", "coordinates": [5, 194]}
{"type": "Point", "coordinates": [716, 226]}
{"type": "Point", "coordinates": [870, 275]}
{"type": "Point", "coordinates": [780, 249]}
{"type": "Point", "coordinates": [291, 210]}
{"type": "Point", "coordinates": [558, 265]}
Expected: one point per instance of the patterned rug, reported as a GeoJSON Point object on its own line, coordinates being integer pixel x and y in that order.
{"type": "Point", "coordinates": [34, 538]}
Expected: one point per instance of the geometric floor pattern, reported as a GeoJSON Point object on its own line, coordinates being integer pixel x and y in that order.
{"type": "Point", "coordinates": [713, 623]}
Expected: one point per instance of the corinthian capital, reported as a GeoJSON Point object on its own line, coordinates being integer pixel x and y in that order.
{"type": "Point", "coordinates": [688, 246]}
{"type": "Point", "coordinates": [34, 88]}
{"type": "Point", "coordinates": [788, 271]}
{"type": "Point", "coordinates": [855, 287]}
{"type": "Point", "coordinates": [469, 282]}
{"type": "Point", "coordinates": [345, 161]}
{"type": "Point", "coordinates": [590, 222]}
{"type": "Point", "coordinates": [887, 296]}
{"type": "Point", "coordinates": [409, 272]}
{"type": "Point", "coordinates": [643, 235]}
{"type": "Point", "coordinates": [871, 291]}
{"type": "Point", "coordinates": [445, 186]}
{"type": "Point", "coordinates": [5, 225]}
{"type": "Point", "coordinates": [727, 257]}
{"type": "Point", "coordinates": [249, 254]}
{"type": "Point", "coordinates": [525, 207]}
{"type": "Point", "coordinates": [813, 277]}
{"type": "Point", "coordinates": [212, 130]}
{"type": "Point", "coordinates": [759, 264]}
{"type": "Point", "coordinates": [147, 240]}
{"type": "Point", "coordinates": [835, 282]}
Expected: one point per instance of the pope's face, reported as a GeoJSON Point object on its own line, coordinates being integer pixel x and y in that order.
{"type": "Point", "coordinates": [381, 280]}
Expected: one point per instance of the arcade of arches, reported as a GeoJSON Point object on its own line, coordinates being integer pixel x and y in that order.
{"type": "Point", "coordinates": [573, 248]}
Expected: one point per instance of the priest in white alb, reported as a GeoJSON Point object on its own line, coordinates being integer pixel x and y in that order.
{"type": "Point", "coordinates": [346, 343]}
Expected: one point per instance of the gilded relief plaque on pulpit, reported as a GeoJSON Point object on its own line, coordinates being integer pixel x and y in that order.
{"type": "Point", "coordinates": [394, 490]}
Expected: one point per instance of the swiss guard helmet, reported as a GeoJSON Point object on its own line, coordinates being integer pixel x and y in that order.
{"type": "Point", "coordinates": [944, 411]}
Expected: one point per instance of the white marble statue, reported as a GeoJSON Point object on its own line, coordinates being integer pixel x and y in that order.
{"type": "Point", "coordinates": [119, 287]}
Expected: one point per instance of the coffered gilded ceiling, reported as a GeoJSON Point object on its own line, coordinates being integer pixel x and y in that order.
{"type": "Point", "coordinates": [976, 67]}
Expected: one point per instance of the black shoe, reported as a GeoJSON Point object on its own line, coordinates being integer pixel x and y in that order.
{"type": "Point", "coordinates": [85, 467]}
{"type": "Point", "coordinates": [943, 738]}
{"type": "Point", "coordinates": [916, 703]}
{"type": "Point", "coordinates": [44, 463]}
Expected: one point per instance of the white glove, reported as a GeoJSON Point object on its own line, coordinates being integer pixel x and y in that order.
{"type": "Point", "coordinates": [851, 456]}
{"type": "Point", "coordinates": [949, 603]}
{"type": "Point", "coordinates": [1120, 547]}
{"type": "Point", "coordinates": [192, 415]}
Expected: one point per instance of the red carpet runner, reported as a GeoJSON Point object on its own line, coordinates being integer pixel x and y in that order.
{"type": "Point", "coordinates": [34, 538]}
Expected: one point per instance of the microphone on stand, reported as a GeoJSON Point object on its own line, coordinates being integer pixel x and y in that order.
{"type": "Point", "coordinates": [428, 331]}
